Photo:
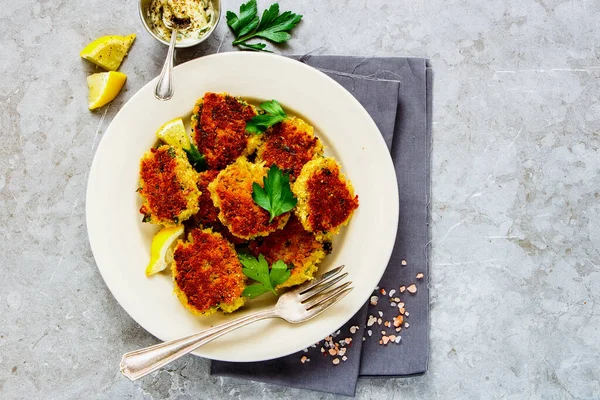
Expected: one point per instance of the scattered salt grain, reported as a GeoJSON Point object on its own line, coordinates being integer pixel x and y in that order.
{"type": "Point", "coordinates": [412, 288]}
{"type": "Point", "coordinates": [353, 329]}
{"type": "Point", "coordinates": [380, 314]}
{"type": "Point", "coordinates": [344, 358]}
{"type": "Point", "coordinates": [420, 275]}
{"type": "Point", "coordinates": [369, 332]}
{"type": "Point", "coordinates": [332, 352]}
{"type": "Point", "coordinates": [336, 361]}
{"type": "Point", "coordinates": [403, 262]}
{"type": "Point", "coordinates": [407, 313]}
{"type": "Point", "coordinates": [398, 321]}
{"type": "Point", "coordinates": [406, 324]}
{"type": "Point", "coordinates": [391, 293]}
{"type": "Point", "coordinates": [374, 300]}
{"type": "Point", "coordinates": [402, 289]}
{"type": "Point", "coordinates": [304, 359]}
{"type": "Point", "coordinates": [382, 291]}
{"type": "Point", "coordinates": [371, 320]}
{"type": "Point", "coordinates": [398, 338]}
{"type": "Point", "coordinates": [385, 339]}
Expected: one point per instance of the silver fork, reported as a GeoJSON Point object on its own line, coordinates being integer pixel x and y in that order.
{"type": "Point", "coordinates": [298, 305]}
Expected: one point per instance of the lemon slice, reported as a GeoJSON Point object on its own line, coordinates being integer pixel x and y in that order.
{"type": "Point", "coordinates": [161, 253]}
{"type": "Point", "coordinates": [108, 51]}
{"type": "Point", "coordinates": [173, 133]}
{"type": "Point", "coordinates": [104, 87]}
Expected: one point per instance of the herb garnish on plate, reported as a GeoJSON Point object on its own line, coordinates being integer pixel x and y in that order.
{"type": "Point", "coordinates": [276, 197]}
{"type": "Point", "coordinates": [258, 270]}
{"type": "Point", "coordinates": [273, 114]}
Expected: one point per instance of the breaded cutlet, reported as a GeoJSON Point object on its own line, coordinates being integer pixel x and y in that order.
{"type": "Point", "coordinates": [219, 129]}
{"type": "Point", "coordinates": [207, 273]}
{"type": "Point", "coordinates": [326, 200]}
{"type": "Point", "coordinates": [167, 186]}
{"type": "Point", "coordinates": [289, 145]}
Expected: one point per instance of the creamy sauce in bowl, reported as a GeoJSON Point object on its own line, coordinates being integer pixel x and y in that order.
{"type": "Point", "coordinates": [200, 12]}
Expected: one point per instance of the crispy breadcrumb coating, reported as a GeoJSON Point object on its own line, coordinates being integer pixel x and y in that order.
{"type": "Point", "coordinates": [207, 273]}
{"type": "Point", "coordinates": [167, 186]}
{"type": "Point", "coordinates": [289, 145]}
{"type": "Point", "coordinates": [219, 129]}
{"type": "Point", "coordinates": [208, 214]}
{"type": "Point", "coordinates": [326, 199]}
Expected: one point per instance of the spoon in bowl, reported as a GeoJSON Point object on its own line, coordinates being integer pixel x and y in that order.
{"type": "Point", "coordinates": [164, 87]}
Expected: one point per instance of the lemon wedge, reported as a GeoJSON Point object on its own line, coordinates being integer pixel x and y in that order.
{"type": "Point", "coordinates": [104, 87]}
{"type": "Point", "coordinates": [161, 253]}
{"type": "Point", "coordinates": [173, 133]}
{"type": "Point", "coordinates": [108, 51]}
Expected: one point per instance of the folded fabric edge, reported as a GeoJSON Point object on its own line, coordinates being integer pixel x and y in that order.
{"type": "Point", "coordinates": [429, 104]}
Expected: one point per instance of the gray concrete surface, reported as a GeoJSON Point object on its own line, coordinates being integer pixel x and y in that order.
{"type": "Point", "coordinates": [516, 206]}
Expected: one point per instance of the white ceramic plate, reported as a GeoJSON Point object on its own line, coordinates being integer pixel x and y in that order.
{"type": "Point", "coordinates": [121, 243]}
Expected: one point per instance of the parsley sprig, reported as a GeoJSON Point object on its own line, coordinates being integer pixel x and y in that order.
{"type": "Point", "coordinates": [272, 26]}
{"type": "Point", "coordinates": [196, 159]}
{"type": "Point", "coordinates": [258, 270]}
{"type": "Point", "coordinates": [261, 122]}
{"type": "Point", "coordinates": [276, 197]}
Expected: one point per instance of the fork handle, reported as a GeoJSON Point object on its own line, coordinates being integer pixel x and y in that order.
{"type": "Point", "coordinates": [139, 363]}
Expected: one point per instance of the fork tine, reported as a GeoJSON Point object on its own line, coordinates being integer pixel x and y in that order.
{"type": "Point", "coordinates": [319, 308]}
{"type": "Point", "coordinates": [320, 288]}
{"type": "Point", "coordinates": [311, 284]}
{"type": "Point", "coordinates": [316, 300]}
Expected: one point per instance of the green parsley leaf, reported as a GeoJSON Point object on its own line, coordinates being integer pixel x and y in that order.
{"type": "Point", "coordinates": [257, 47]}
{"type": "Point", "coordinates": [247, 21]}
{"type": "Point", "coordinates": [258, 270]}
{"type": "Point", "coordinates": [279, 273]}
{"type": "Point", "coordinates": [255, 290]}
{"type": "Point", "coordinates": [273, 114]}
{"type": "Point", "coordinates": [272, 26]}
{"type": "Point", "coordinates": [276, 197]}
{"type": "Point", "coordinates": [273, 107]}
{"type": "Point", "coordinates": [196, 159]}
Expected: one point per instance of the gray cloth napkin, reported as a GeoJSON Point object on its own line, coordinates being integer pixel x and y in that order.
{"type": "Point", "coordinates": [397, 94]}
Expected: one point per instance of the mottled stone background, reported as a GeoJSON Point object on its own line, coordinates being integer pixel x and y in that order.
{"type": "Point", "coordinates": [516, 206]}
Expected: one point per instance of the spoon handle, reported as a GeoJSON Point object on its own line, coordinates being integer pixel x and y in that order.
{"type": "Point", "coordinates": [164, 87]}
